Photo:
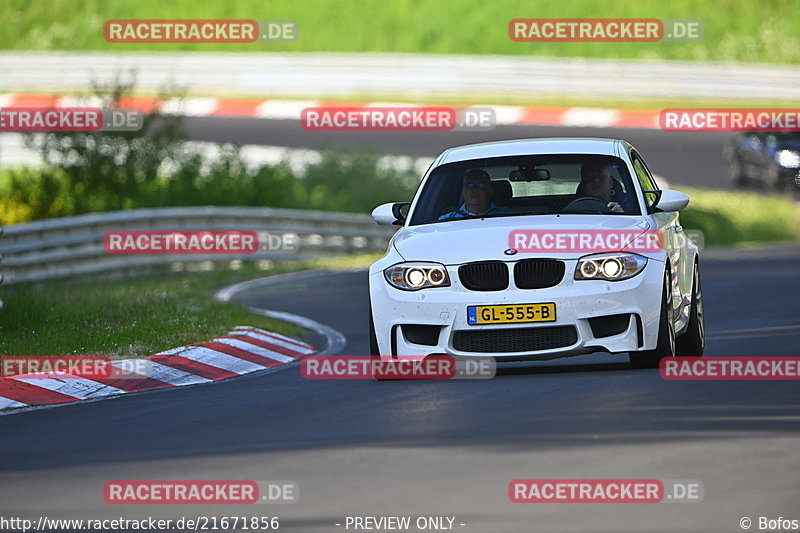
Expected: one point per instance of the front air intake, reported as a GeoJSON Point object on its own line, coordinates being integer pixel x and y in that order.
{"type": "Point", "coordinates": [515, 340]}
{"type": "Point", "coordinates": [538, 273]}
{"type": "Point", "coordinates": [484, 276]}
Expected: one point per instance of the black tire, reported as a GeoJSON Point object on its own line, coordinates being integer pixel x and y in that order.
{"type": "Point", "coordinates": [665, 347]}
{"type": "Point", "coordinates": [692, 342]}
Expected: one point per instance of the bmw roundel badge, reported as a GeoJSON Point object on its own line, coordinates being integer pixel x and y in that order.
{"type": "Point", "coordinates": [510, 251]}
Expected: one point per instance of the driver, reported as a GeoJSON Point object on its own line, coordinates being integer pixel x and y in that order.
{"type": "Point", "coordinates": [477, 192]}
{"type": "Point", "coordinates": [595, 190]}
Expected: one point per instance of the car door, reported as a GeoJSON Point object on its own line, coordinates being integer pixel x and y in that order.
{"type": "Point", "coordinates": [668, 224]}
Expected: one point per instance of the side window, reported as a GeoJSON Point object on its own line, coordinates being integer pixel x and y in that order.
{"type": "Point", "coordinates": [645, 179]}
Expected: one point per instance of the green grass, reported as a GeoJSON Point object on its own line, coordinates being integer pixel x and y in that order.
{"type": "Point", "coordinates": [741, 218]}
{"type": "Point", "coordinates": [135, 317]}
{"type": "Point", "coordinates": [734, 30]}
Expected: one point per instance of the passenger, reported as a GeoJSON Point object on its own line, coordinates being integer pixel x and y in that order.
{"type": "Point", "coordinates": [477, 192]}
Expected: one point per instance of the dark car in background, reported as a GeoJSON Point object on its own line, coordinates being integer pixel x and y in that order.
{"type": "Point", "coordinates": [769, 160]}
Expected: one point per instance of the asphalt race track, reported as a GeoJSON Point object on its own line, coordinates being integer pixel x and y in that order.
{"type": "Point", "coordinates": [693, 159]}
{"type": "Point", "coordinates": [447, 448]}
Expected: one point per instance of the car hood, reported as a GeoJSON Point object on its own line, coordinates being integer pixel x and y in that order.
{"type": "Point", "coordinates": [463, 241]}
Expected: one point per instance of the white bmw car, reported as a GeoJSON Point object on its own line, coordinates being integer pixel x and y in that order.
{"type": "Point", "coordinates": [454, 280]}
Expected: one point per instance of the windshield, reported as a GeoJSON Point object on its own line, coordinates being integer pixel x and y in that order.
{"type": "Point", "coordinates": [526, 185]}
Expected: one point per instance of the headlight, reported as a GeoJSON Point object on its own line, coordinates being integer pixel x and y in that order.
{"type": "Point", "coordinates": [788, 158]}
{"type": "Point", "coordinates": [416, 276]}
{"type": "Point", "coordinates": [609, 267]}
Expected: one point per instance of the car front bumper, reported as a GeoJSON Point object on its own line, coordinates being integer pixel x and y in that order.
{"type": "Point", "coordinates": [576, 303]}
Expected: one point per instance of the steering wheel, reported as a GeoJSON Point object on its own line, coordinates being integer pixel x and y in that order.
{"type": "Point", "coordinates": [590, 204]}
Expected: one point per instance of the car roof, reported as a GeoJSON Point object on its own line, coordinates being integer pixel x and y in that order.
{"type": "Point", "coordinates": [541, 146]}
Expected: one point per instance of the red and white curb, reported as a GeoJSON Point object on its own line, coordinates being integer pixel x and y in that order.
{"type": "Point", "coordinates": [291, 109]}
{"type": "Point", "coordinates": [242, 351]}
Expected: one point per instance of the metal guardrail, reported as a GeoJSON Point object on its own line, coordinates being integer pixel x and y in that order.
{"type": "Point", "coordinates": [73, 246]}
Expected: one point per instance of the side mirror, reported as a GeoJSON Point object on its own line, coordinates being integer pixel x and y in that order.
{"type": "Point", "coordinates": [669, 201]}
{"type": "Point", "coordinates": [390, 214]}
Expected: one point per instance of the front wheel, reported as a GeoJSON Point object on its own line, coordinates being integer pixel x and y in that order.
{"type": "Point", "coordinates": [692, 342]}
{"type": "Point", "coordinates": [665, 347]}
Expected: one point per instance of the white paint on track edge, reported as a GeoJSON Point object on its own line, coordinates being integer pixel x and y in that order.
{"type": "Point", "coordinates": [334, 339]}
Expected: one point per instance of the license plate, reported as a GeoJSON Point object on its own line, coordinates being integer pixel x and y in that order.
{"type": "Point", "coordinates": [510, 314]}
